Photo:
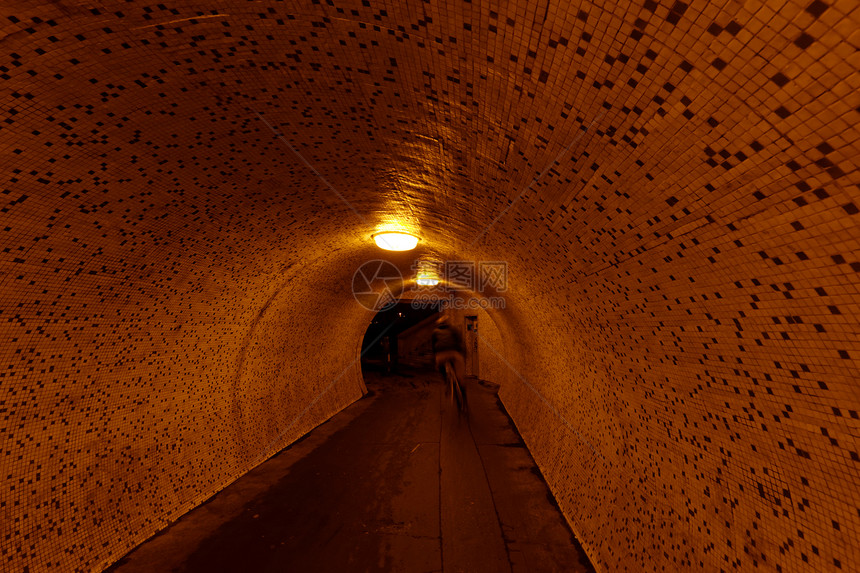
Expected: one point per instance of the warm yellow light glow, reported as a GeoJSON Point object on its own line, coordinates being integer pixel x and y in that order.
{"type": "Point", "coordinates": [395, 241]}
{"type": "Point", "coordinates": [429, 269]}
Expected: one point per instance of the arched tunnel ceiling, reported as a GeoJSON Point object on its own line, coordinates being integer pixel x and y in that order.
{"type": "Point", "coordinates": [189, 188]}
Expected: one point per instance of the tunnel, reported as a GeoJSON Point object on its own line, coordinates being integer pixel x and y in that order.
{"type": "Point", "coordinates": [670, 186]}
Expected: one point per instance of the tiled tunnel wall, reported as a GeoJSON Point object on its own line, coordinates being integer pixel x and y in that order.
{"type": "Point", "coordinates": [673, 185]}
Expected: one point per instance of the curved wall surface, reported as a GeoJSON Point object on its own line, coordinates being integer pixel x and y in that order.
{"type": "Point", "coordinates": [188, 189]}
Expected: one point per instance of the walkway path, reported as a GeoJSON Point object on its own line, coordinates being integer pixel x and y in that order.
{"type": "Point", "coordinates": [396, 482]}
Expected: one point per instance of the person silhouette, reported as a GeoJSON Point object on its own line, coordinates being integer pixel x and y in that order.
{"type": "Point", "coordinates": [448, 348]}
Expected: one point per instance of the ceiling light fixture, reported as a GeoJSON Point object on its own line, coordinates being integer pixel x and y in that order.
{"type": "Point", "coordinates": [395, 241]}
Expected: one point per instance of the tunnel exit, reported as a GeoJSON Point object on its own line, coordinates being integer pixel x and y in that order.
{"type": "Point", "coordinates": [398, 336]}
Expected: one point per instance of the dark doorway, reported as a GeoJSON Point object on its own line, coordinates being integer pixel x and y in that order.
{"type": "Point", "coordinates": [470, 332]}
{"type": "Point", "coordinates": [380, 349]}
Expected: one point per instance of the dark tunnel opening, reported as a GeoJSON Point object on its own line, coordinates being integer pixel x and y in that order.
{"type": "Point", "coordinates": [398, 336]}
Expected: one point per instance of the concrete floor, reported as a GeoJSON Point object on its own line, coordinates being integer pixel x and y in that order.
{"type": "Point", "coordinates": [396, 482]}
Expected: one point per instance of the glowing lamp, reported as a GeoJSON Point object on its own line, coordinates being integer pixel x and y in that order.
{"type": "Point", "coordinates": [427, 281]}
{"type": "Point", "coordinates": [395, 241]}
